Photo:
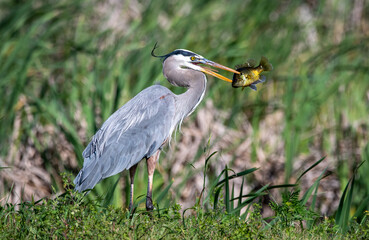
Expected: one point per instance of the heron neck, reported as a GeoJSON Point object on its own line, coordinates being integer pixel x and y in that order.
{"type": "Point", "coordinates": [189, 100]}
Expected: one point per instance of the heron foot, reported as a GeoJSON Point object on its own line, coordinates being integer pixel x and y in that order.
{"type": "Point", "coordinates": [149, 205]}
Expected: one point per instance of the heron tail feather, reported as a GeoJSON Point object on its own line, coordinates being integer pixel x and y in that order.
{"type": "Point", "coordinates": [89, 176]}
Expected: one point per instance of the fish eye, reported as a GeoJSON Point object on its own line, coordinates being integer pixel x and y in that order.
{"type": "Point", "coordinates": [193, 58]}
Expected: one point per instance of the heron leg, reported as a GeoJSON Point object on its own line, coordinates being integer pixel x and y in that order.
{"type": "Point", "coordinates": [132, 172]}
{"type": "Point", "coordinates": [151, 162]}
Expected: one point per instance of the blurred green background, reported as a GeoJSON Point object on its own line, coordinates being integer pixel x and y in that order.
{"type": "Point", "coordinates": [65, 66]}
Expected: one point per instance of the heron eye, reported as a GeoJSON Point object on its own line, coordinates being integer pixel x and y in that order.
{"type": "Point", "coordinates": [193, 58]}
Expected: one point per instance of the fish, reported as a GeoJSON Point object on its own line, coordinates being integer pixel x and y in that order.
{"type": "Point", "coordinates": [250, 75]}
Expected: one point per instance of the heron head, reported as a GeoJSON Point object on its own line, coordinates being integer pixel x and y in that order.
{"type": "Point", "coordinates": [180, 61]}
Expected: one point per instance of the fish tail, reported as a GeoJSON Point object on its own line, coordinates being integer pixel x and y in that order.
{"type": "Point", "coordinates": [265, 64]}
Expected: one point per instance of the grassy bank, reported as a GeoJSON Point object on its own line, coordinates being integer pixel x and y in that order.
{"type": "Point", "coordinates": [214, 216]}
{"type": "Point", "coordinates": [71, 217]}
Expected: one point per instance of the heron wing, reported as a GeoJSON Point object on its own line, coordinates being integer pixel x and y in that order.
{"type": "Point", "coordinates": [135, 131]}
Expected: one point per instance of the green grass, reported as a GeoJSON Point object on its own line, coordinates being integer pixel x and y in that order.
{"type": "Point", "coordinates": [71, 215]}
{"type": "Point", "coordinates": [60, 68]}
{"type": "Point", "coordinates": [87, 220]}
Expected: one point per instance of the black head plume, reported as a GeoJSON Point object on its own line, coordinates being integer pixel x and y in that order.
{"type": "Point", "coordinates": [175, 52]}
{"type": "Point", "coordinates": [153, 54]}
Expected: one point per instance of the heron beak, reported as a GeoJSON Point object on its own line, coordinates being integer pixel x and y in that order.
{"type": "Point", "coordinates": [217, 65]}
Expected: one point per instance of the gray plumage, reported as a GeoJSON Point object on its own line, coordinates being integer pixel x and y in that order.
{"type": "Point", "coordinates": [133, 132]}
{"type": "Point", "coordinates": [139, 128]}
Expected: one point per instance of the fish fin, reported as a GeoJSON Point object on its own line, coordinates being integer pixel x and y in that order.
{"type": "Point", "coordinates": [265, 64]}
{"type": "Point", "coordinates": [244, 65]}
{"type": "Point", "coordinates": [256, 82]}
{"type": "Point", "coordinates": [247, 64]}
{"type": "Point", "coordinates": [262, 79]}
{"type": "Point", "coordinates": [253, 87]}
{"type": "Point", "coordinates": [251, 62]}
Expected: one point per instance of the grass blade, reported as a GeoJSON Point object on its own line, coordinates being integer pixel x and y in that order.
{"type": "Point", "coordinates": [257, 194]}
{"type": "Point", "coordinates": [110, 194]}
{"type": "Point", "coordinates": [311, 167]}
{"type": "Point", "coordinates": [240, 174]}
{"type": "Point", "coordinates": [339, 213]}
{"type": "Point", "coordinates": [240, 197]}
{"type": "Point", "coordinates": [226, 189]}
{"type": "Point", "coordinates": [164, 192]}
{"type": "Point", "coordinates": [211, 190]}
{"type": "Point", "coordinates": [315, 186]}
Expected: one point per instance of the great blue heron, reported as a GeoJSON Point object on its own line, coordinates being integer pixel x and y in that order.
{"type": "Point", "coordinates": [139, 129]}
